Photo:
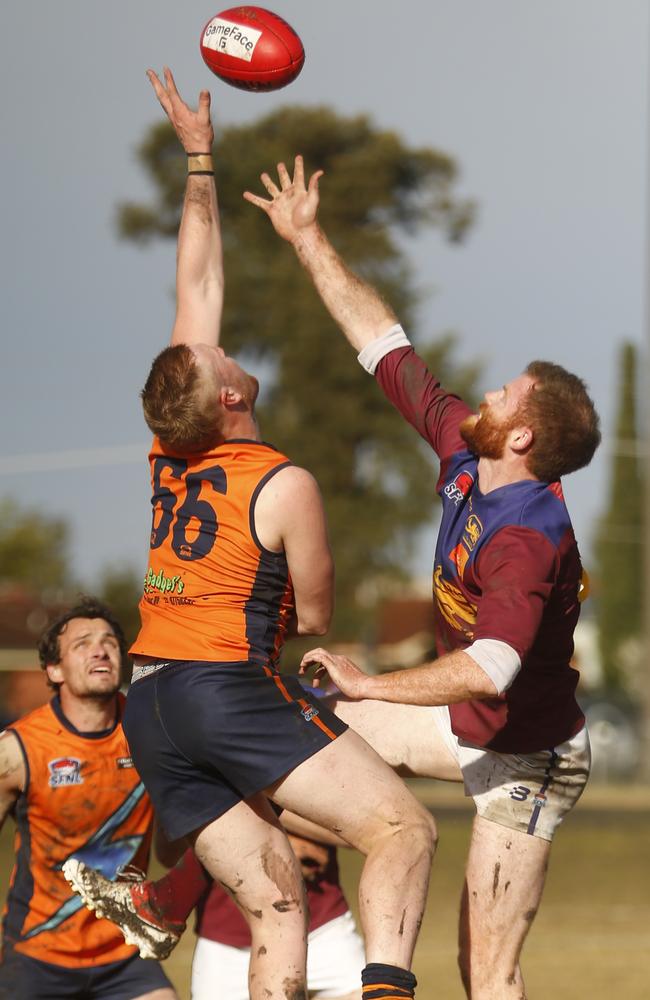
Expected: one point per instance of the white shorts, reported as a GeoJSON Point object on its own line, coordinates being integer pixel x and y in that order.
{"type": "Point", "coordinates": [531, 793]}
{"type": "Point", "coordinates": [335, 958]}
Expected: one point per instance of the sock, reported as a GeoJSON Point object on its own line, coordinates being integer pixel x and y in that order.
{"type": "Point", "coordinates": [176, 894]}
{"type": "Point", "coordinates": [387, 982]}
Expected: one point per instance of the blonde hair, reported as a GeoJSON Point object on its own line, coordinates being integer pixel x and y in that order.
{"type": "Point", "coordinates": [180, 402]}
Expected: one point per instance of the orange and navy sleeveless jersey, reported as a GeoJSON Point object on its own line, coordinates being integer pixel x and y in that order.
{"type": "Point", "coordinates": [212, 591]}
{"type": "Point", "coordinates": [83, 799]}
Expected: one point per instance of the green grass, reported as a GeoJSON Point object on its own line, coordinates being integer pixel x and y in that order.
{"type": "Point", "coordinates": [591, 938]}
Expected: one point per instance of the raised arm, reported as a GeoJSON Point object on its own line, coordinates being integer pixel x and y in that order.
{"type": "Point", "coordinates": [356, 306]}
{"type": "Point", "coordinates": [289, 515]}
{"type": "Point", "coordinates": [199, 265]}
{"type": "Point", "coordinates": [12, 773]}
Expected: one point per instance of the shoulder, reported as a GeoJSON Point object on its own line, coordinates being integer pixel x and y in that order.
{"type": "Point", "coordinates": [290, 484]}
{"type": "Point", "coordinates": [546, 512]}
{"type": "Point", "coordinates": [13, 768]}
{"type": "Point", "coordinates": [37, 719]}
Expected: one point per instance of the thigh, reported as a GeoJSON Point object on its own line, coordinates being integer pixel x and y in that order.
{"type": "Point", "coordinates": [219, 970]}
{"type": "Point", "coordinates": [335, 958]}
{"type": "Point", "coordinates": [348, 789]}
{"type": "Point", "coordinates": [247, 850]}
{"type": "Point", "coordinates": [185, 796]}
{"type": "Point", "coordinates": [528, 793]}
{"type": "Point", "coordinates": [405, 736]}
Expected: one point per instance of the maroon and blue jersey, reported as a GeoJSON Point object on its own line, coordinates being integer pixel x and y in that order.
{"type": "Point", "coordinates": [506, 567]}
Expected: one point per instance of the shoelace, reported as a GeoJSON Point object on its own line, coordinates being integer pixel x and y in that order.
{"type": "Point", "coordinates": [130, 873]}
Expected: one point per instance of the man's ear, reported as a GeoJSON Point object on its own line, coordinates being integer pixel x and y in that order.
{"type": "Point", "coordinates": [54, 672]}
{"type": "Point", "coordinates": [520, 439]}
{"type": "Point", "coordinates": [229, 397]}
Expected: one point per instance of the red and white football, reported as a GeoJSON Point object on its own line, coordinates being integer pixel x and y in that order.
{"type": "Point", "coordinates": [252, 48]}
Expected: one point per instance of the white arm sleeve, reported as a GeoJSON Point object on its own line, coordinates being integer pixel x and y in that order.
{"type": "Point", "coordinates": [372, 353]}
{"type": "Point", "coordinates": [499, 661]}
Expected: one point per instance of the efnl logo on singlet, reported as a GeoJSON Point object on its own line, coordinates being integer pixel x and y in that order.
{"type": "Point", "coordinates": [64, 771]}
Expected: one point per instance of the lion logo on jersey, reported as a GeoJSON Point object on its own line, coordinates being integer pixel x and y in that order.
{"type": "Point", "coordinates": [453, 605]}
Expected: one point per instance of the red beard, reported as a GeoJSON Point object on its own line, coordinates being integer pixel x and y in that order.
{"type": "Point", "coordinates": [485, 437]}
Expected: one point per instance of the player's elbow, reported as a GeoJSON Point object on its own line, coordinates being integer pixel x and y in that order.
{"type": "Point", "coordinates": [315, 624]}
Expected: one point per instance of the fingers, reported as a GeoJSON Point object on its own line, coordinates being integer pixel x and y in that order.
{"type": "Point", "coordinates": [171, 83]}
{"type": "Point", "coordinates": [283, 174]}
{"type": "Point", "coordinates": [159, 90]}
{"type": "Point", "coordinates": [256, 200]}
{"type": "Point", "coordinates": [313, 181]}
{"type": "Point", "coordinates": [299, 171]}
{"type": "Point", "coordinates": [270, 185]}
{"type": "Point", "coordinates": [204, 106]}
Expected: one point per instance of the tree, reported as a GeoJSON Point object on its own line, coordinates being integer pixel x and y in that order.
{"type": "Point", "coordinates": [319, 406]}
{"type": "Point", "coordinates": [120, 587]}
{"type": "Point", "coordinates": [620, 536]}
{"type": "Point", "coordinates": [33, 548]}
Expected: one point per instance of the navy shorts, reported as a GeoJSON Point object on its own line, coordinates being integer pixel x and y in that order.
{"type": "Point", "coordinates": [204, 736]}
{"type": "Point", "coordinates": [25, 978]}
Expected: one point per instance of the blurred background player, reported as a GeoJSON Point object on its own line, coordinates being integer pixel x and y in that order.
{"type": "Point", "coordinates": [67, 777]}
{"type": "Point", "coordinates": [497, 708]}
{"type": "Point", "coordinates": [239, 557]}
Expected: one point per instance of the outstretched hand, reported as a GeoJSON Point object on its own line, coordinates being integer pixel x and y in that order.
{"type": "Point", "coordinates": [193, 128]}
{"type": "Point", "coordinates": [350, 681]}
{"type": "Point", "coordinates": [293, 207]}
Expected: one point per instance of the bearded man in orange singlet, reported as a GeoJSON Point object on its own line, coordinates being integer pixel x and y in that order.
{"type": "Point", "coordinates": [67, 776]}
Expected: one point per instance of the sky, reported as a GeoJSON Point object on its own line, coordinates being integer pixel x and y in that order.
{"type": "Point", "coordinates": [544, 106]}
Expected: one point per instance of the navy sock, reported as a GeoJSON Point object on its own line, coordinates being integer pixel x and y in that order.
{"type": "Point", "coordinates": [387, 982]}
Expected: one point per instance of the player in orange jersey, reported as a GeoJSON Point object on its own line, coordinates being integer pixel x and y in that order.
{"type": "Point", "coordinates": [67, 776]}
{"type": "Point", "coordinates": [239, 559]}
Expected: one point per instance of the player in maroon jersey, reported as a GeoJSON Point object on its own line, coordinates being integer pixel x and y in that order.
{"type": "Point", "coordinates": [497, 708]}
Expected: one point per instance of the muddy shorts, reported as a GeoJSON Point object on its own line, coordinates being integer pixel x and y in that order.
{"type": "Point", "coordinates": [531, 793]}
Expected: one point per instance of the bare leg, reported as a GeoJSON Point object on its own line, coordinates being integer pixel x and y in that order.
{"type": "Point", "coordinates": [405, 736]}
{"type": "Point", "coordinates": [505, 877]}
{"type": "Point", "coordinates": [348, 789]}
{"type": "Point", "coordinates": [248, 852]}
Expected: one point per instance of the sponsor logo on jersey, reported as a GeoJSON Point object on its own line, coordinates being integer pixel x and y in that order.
{"type": "Point", "coordinates": [64, 771]}
{"type": "Point", "coordinates": [473, 531]}
{"type": "Point", "coordinates": [123, 762]}
{"type": "Point", "coordinates": [459, 557]}
{"type": "Point", "coordinates": [309, 712]}
{"type": "Point", "coordinates": [458, 489]}
{"type": "Point", "coordinates": [165, 584]}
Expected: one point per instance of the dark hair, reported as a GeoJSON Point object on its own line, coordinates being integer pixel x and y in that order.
{"type": "Point", "coordinates": [179, 404]}
{"type": "Point", "coordinates": [563, 419]}
{"type": "Point", "coordinates": [49, 651]}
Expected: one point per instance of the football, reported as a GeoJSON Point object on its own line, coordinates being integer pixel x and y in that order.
{"type": "Point", "coordinates": [252, 48]}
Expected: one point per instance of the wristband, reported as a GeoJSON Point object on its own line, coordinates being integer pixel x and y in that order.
{"type": "Point", "coordinates": [199, 163]}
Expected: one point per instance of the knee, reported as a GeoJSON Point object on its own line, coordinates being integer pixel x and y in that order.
{"type": "Point", "coordinates": [419, 831]}
{"type": "Point", "coordinates": [428, 829]}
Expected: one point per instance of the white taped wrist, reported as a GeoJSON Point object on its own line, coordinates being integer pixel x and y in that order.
{"type": "Point", "coordinates": [377, 349]}
{"type": "Point", "coordinates": [497, 659]}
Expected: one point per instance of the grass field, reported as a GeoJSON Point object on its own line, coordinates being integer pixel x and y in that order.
{"type": "Point", "coordinates": [591, 939]}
